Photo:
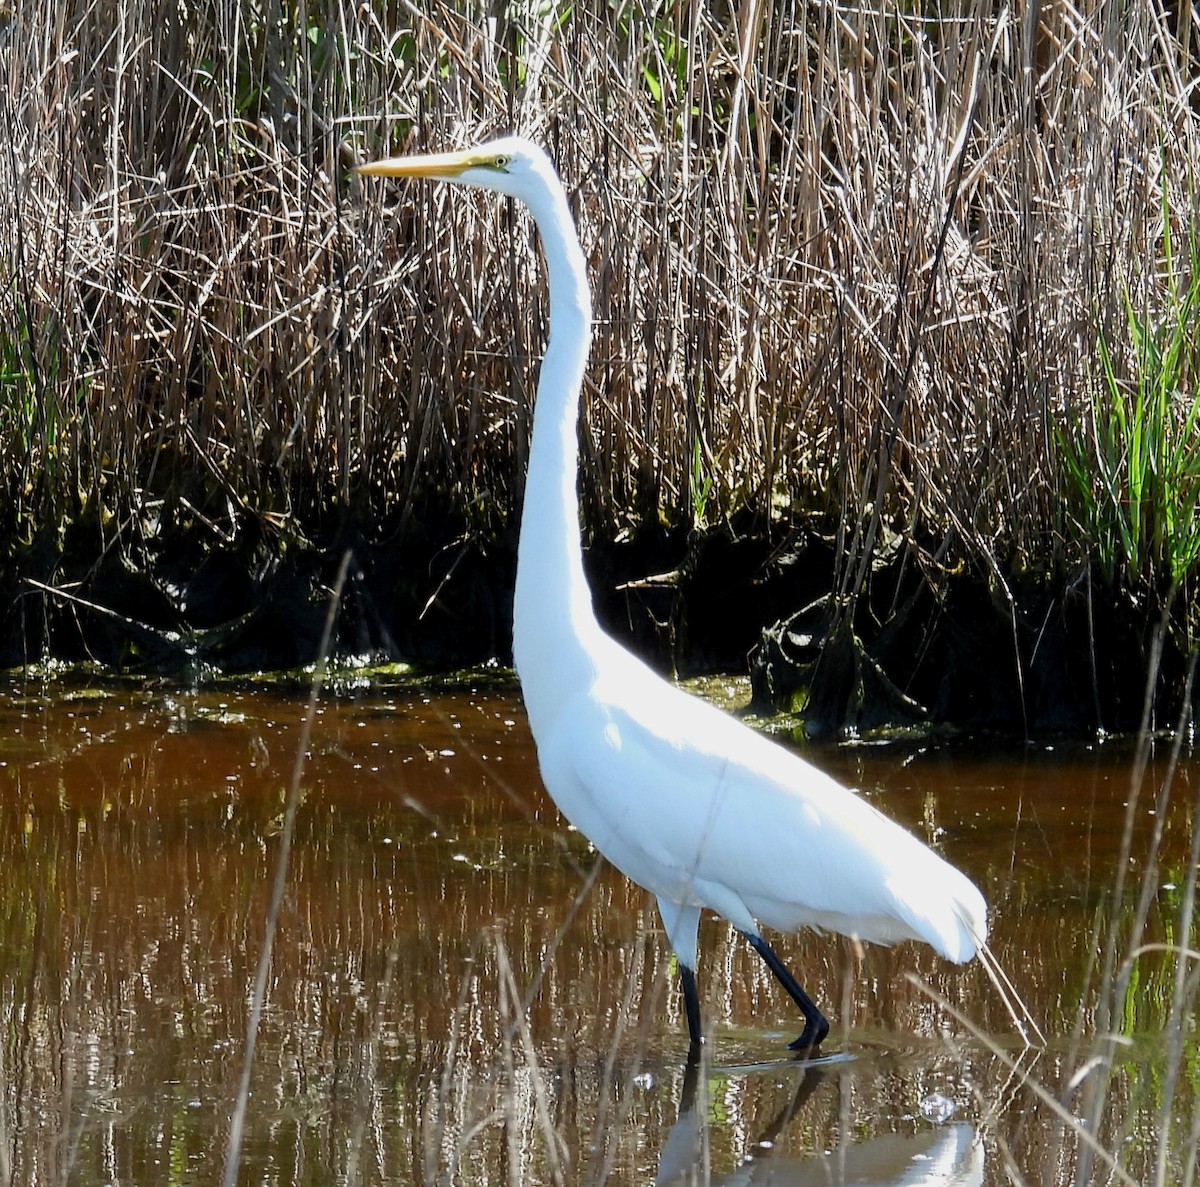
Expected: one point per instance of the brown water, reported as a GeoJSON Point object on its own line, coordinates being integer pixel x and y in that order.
{"type": "Point", "coordinates": [433, 891]}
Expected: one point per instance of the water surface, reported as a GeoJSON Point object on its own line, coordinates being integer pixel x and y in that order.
{"type": "Point", "coordinates": [460, 992]}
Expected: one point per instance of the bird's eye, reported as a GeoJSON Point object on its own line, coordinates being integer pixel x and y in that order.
{"type": "Point", "coordinates": [501, 162]}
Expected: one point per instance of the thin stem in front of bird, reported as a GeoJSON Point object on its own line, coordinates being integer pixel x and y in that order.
{"type": "Point", "coordinates": [233, 1147]}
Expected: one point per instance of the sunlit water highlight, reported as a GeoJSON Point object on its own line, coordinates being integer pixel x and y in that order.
{"type": "Point", "coordinates": [459, 993]}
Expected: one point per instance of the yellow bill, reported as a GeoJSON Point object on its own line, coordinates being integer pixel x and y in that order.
{"type": "Point", "coordinates": [446, 165]}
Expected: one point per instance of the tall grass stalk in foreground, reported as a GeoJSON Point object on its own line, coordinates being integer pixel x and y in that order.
{"type": "Point", "coordinates": [237, 1121]}
{"type": "Point", "coordinates": [1096, 1125]}
{"type": "Point", "coordinates": [1123, 950]}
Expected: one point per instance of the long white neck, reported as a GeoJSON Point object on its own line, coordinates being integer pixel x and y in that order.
{"type": "Point", "coordinates": [554, 627]}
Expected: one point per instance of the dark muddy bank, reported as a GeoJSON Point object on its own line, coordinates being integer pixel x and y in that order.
{"type": "Point", "coordinates": [921, 647]}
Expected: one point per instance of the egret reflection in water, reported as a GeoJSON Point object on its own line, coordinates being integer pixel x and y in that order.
{"type": "Point", "coordinates": [936, 1156]}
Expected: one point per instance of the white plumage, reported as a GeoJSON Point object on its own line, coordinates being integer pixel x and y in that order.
{"type": "Point", "coordinates": [682, 798]}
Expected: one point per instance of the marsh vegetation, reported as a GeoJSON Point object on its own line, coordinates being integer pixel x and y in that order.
{"type": "Point", "coordinates": [895, 350]}
{"type": "Point", "coordinates": [896, 309]}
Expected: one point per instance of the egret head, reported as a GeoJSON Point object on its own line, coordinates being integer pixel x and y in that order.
{"type": "Point", "coordinates": [510, 165]}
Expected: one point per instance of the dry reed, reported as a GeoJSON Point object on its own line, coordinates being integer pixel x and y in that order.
{"type": "Point", "coordinates": [846, 261]}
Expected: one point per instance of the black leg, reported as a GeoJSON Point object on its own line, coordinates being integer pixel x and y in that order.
{"type": "Point", "coordinates": [816, 1026]}
{"type": "Point", "coordinates": [691, 1003]}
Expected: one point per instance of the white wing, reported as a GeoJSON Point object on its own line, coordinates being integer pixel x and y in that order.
{"type": "Point", "coordinates": [701, 810]}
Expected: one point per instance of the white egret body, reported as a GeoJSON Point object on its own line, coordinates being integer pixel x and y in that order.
{"type": "Point", "coordinates": [683, 799]}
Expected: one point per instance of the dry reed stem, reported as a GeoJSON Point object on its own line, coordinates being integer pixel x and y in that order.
{"type": "Point", "coordinates": [237, 1122]}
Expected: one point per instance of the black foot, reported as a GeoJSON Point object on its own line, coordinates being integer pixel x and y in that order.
{"type": "Point", "coordinates": [810, 1037]}
{"type": "Point", "coordinates": [816, 1026]}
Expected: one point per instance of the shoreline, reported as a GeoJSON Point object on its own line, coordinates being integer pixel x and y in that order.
{"type": "Point", "coordinates": [924, 649]}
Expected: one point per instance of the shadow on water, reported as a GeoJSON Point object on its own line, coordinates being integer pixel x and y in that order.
{"type": "Point", "coordinates": [459, 992]}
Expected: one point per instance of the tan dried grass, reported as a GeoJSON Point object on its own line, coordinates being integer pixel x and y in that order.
{"type": "Point", "coordinates": [845, 261]}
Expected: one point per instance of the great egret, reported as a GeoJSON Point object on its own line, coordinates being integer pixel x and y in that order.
{"type": "Point", "coordinates": [686, 801]}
